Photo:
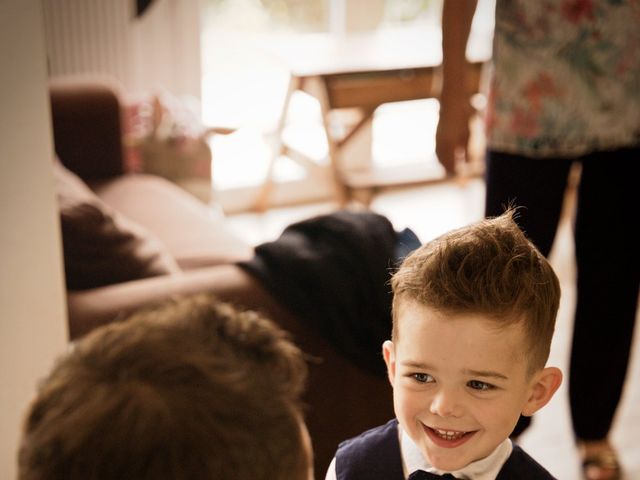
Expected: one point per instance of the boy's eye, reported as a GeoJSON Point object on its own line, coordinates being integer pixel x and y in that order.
{"type": "Point", "coordinates": [422, 377]}
{"type": "Point", "coordinates": [478, 385]}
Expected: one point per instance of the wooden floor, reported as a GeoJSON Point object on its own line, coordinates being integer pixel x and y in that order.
{"type": "Point", "coordinates": [432, 210]}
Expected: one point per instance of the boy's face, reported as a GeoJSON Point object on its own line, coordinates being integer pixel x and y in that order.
{"type": "Point", "coordinates": [460, 384]}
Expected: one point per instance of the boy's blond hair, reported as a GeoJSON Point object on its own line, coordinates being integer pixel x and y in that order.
{"type": "Point", "coordinates": [192, 389]}
{"type": "Point", "coordinates": [488, 268]}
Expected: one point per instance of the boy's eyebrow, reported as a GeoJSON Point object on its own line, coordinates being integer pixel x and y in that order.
{"type": "Point", "coordinates": [474, 373]}
{"type": "Point", "coordinates": [486, 373]}
{"type": "Point", "coordinates": [419, 365]}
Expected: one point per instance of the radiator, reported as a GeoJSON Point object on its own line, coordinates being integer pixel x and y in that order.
{"type": "Point", "coordinates": [158, 51]}
{"type": "Point", "coordinates": [88, 36]}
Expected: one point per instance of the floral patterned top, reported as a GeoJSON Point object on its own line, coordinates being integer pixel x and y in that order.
{"type": "Point", "coordinates": [566, 77]}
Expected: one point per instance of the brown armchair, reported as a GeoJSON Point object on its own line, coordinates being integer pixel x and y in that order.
{"type": "Point", "coordinates": [195, 251]}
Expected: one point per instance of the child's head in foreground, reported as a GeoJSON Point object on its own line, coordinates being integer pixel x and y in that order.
{"type": "Point", "coordinates": [473, 316]}
{"type": "Point", "coordinates": [191, 390]}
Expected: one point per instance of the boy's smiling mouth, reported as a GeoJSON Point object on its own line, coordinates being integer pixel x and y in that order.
{"type": "Point", "coordinates": [447, 438]}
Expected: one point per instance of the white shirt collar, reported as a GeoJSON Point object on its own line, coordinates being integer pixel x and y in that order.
{"type": "Point", "coordinates": [484, 469]}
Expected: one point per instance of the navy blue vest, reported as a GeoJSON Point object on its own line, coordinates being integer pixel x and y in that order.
{"type": "Point", "coordinates": [375, 455]}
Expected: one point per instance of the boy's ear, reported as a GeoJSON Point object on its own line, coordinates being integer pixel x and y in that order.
{"type": "Point", "coordinates": [389, 354]}
{"type": "Point", "coordinates": [544, 384]}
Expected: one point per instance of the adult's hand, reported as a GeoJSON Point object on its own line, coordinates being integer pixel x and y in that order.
{"type": "Point", "coordinates": [452, 134]}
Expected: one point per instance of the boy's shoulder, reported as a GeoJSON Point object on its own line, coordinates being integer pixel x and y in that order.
{"type": "Point", "coordinates": [375, 453]}
{"type": "Point", "coordinates": [522, 466]}
{"type": "Point", "coordinates": [376, 434]}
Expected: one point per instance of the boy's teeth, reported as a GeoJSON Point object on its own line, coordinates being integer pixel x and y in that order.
{"type": "Point", "coordinates": [449, 434]}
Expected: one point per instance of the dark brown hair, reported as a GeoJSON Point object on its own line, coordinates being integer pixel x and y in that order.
{"type": "Point", "coordinates": [194, 389]}
{"type": "Point", "coordinates": [489, 268]}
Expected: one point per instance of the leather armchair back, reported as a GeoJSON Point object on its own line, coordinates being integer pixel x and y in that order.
{"type": "Point", "coordinates": [87, 127]}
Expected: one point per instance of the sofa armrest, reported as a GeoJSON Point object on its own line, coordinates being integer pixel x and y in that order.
{"type": "Point", "coordinates": [88, 309]}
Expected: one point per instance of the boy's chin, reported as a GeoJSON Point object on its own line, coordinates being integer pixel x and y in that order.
{"type": "Point", "coordinates": [454, 458]}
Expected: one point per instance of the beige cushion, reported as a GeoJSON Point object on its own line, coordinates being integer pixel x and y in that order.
{"type": "Point", "coordinates": [102, 246]}
{"type": "Point", "coordinates": [195, 234]}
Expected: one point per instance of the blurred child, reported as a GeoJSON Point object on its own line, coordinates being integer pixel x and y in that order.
{"type": "Point", "coordinates": [193, 389]}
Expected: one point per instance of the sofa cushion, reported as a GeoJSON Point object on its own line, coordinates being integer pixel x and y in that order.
{"type": "Point", "coordinates": [101, 246]}
{"type": "Point", "coordinates": [196, 234]}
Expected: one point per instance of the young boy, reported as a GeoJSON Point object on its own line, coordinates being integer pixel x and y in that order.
{"type": "Point", "coordinates": [193, 389]}
{"type": "Point", "coordinates": [473, 317]}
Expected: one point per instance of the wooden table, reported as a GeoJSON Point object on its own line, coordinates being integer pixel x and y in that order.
{"type": "Point", "coordinates": [361, 72]}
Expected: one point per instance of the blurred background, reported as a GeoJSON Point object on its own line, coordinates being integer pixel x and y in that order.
{"type": "Point", "coordinates": [229, 63]}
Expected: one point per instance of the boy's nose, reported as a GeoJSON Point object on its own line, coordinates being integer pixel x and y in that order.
{"type": "Point", "coordinates": [445, 403]}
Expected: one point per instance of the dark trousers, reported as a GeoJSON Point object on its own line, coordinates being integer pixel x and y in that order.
{"type": "Point", "coordinates": [607, 264]}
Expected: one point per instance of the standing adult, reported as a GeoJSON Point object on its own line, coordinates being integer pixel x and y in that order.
{"type": "Point", "coordinates": [565, 90]}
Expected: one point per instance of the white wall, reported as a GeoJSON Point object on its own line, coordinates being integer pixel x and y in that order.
{"type": "Point", "coordinates": [158, 51]}
{"type": "Point", "coordinates": [165, 48]}
{"type": "Point", "coordinates": [32, 309]}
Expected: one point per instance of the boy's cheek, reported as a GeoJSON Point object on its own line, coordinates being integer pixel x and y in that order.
{"type": "Point", "coordinates": [408, 402]}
